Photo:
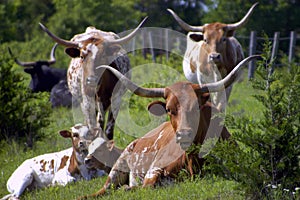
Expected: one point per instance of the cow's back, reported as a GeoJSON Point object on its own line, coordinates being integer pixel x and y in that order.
{"type": "Point", "coordinates": [41, 170]}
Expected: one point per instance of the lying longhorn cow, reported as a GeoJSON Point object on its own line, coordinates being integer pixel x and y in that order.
{"type": "Point", "coordinates": [89, 50]}
{"type": "Point", "coordinates": [212, 52]}
{"type": "Point", "coordinates": [161, 152]}
{"type": "Point", "coordinates": [47, 79]}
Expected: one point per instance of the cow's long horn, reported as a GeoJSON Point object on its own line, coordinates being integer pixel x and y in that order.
{"type": "Point", "coordinates": [52, 55]}
{"type": "Point", "coordinates": [140, 91]}
{"type": "Point", "coordinates": [228, 80]}
{"type": "Point", "coordinates": [243, 21]}
{"type": "Point", "coordinates": [127, 37]}
{"type": "Point", "coordinates": [184, 25]}
{"type": "Point", "coordinates": [24, 64]}
{"type": "Point", "coordinates": [60, 41]}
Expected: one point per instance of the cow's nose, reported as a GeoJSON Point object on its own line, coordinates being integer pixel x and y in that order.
{"type": "Point", "coordinates": [215, 57]}
{"type": "Point", "coordinates": [184, 138]}
{"type": "Point", "coordinates": [81, 144]}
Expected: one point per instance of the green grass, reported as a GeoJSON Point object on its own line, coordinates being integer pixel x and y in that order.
{"type": "Point", "coordinates": [13, 154]}
{"type": "Point", "coordinates": [207, 188]}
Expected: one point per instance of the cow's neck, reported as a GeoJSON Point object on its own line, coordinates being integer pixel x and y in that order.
{"type": "Point", "coordinates": [74, 164]}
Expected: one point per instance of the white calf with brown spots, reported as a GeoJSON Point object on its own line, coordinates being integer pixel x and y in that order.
{"type": "Point", "coordinates": [58, 168]}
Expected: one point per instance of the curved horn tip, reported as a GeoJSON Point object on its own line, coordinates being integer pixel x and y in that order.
{"type": "Point", "coordinates": [42, 26]}
{"type": "Point", "coordinates": [170, 10]}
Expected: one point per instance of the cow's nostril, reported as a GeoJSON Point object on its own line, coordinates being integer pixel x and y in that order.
{"type": "Point", "coordinates": [87, 161]}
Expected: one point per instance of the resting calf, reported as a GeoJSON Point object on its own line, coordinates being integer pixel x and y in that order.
{"type": "Point", "coordinates": [51, 169]}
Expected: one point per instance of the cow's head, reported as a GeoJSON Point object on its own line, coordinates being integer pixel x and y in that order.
{"type": "Point", "coordinates": [182, 102]}
{"type": "Point", "coordinates": [94, 48]}
{"type": "Point", "coordinates": [40, 81]}
{"type": "Point", "coordinates": [81, 138]}
{"type": "Point", "coordinates": [214, 36]}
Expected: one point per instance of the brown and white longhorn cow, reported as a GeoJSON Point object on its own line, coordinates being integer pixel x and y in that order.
{"type": "Point", "coordinates": [89, 50]}
{"type": "Point", "coordinates": [161, 152]}
{"type": "Point", "coordinates": [212, 52]}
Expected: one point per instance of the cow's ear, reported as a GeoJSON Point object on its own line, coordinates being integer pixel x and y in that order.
{"type": "Point", "coordinates": [197, 37]}
{"type": "Point", "coordinates": [29, 70]}
{"type": "Point", "coordinates": [157, 108]}
{"type": "Point", "coordinates": [65, 133]}
{"type": "Point", "coordinates": [112, 49]}
{"type": "Point", "coordinates": [204, 98]}
{"type": "Point", "coordinates": [73, 52]}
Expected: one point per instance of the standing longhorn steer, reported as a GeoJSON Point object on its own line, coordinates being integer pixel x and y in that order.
{"type": "Point", "coordinates": [47, 79]}
{"type": "Point", "coordinates": [89, 50]}
{"type": "Point", "coordinates": [161, 152]}
{"type": "Point", "coordinates": [57, 168]}
{"type": "Point", "coordinates": [212, 52]}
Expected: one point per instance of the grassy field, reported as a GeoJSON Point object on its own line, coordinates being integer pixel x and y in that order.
{"type": "Point", "coordinates": [12, 155]}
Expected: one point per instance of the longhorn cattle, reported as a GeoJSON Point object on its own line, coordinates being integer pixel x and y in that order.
{"type": "Point", "coordinates": [161, 152]}
{"type": "Point", "coordinates": [89, 50]}
{"type": "Point", "coordinates": [212, 52]}
{"type": "Point", "coordinates": [47, 79]}
{"type": "Point", "coordinates": [57, 168]}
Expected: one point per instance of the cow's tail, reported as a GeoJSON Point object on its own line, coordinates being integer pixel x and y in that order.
{"type": "Point", "coordinates": [6, 197]}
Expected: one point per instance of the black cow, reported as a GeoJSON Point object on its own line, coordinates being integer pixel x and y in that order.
{"type": "Point", "coordinates": [47, 79]}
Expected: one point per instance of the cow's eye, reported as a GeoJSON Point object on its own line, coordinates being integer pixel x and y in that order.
{"type": "Point", "coordinates": [76, 135]}
{"type": "Point", "coordinates": [205, 40]}
{"type": "Point", "coordinates": [171, 111]}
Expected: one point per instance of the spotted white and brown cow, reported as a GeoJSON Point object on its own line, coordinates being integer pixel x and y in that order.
{"type": "Point", "coordinates": [58, 168]}
{"type": "Point", "coordinates": [89, 50]}
{"type": "Point", "coordinates": [212, 52]}
{"type": "Point", "coordinates": [160, 154]}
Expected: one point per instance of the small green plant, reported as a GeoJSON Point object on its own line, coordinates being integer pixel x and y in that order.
{"type": "Point", "coordinates": [266, 159]}
{"type": "Point", "coordinates": [22, 113]}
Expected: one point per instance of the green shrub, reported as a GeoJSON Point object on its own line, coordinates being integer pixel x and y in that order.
{"type": "Point", "coordinates": [22, 113]}
{"type": "Point", "coordinates": [266, 159]}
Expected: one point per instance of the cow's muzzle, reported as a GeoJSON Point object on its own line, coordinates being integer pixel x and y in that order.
{"type": "Point", "coordinates": [185, 138]}
{"type": "Point", "coordinates": [88, 161]}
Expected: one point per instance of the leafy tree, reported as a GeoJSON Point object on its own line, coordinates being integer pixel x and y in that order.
{"type": "Point", "coordinates": [22, 113]}
{"type": "Point", "coordinates": [267, 155]}
{"type": "Point", "coordinates": [269, 16]}
{"type": "Point", "coordinates": [72, 17]}
{"type": "Point", "coordinates": [19, 19]}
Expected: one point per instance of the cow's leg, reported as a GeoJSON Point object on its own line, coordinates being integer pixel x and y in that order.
{"type": "Point", "coordinates": [109, 130]}
{"type": "Point", "coordinates": [100, 115]}
{"type": "Point", "coordinates": [152, 177]}
{"type": "Point", "coordinates": [19, 182]}
{"type": "Point", "coordinates": [118, 176]}
{"type": "Point", "coordinates": [113, 112]}
{"type": "Point", "coordinates": [89, 110]}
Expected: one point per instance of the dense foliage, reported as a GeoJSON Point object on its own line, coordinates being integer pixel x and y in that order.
{"type": "Point", "coordinates": [22, 113]}
{"type": "Point", "coordinates": [266, 159]}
